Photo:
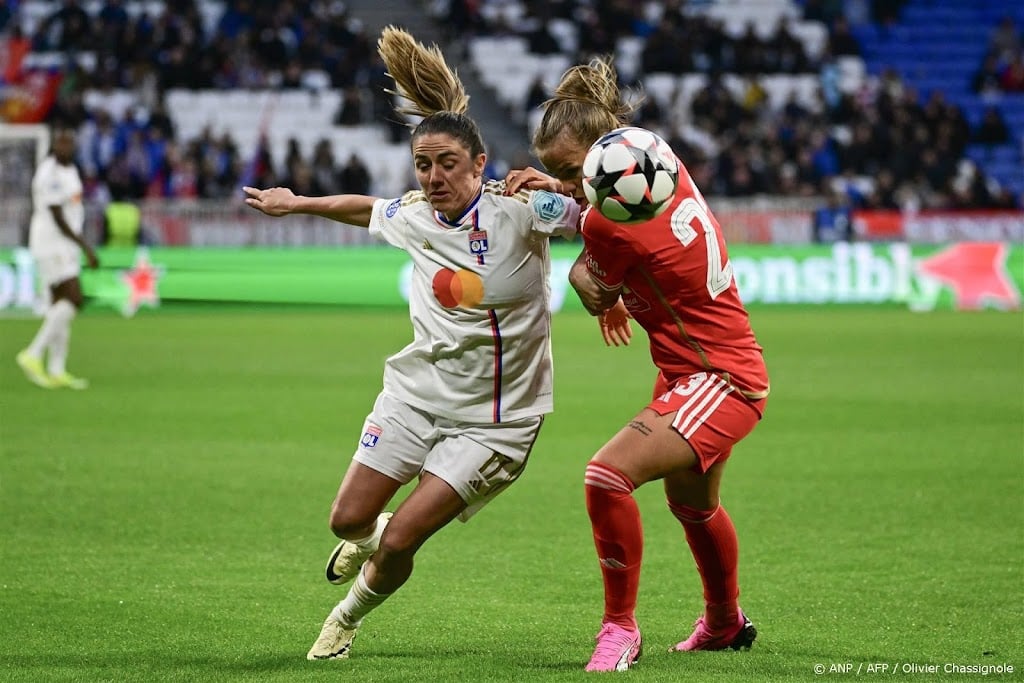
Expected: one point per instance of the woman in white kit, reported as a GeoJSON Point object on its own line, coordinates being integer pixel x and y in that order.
{"type": "Point", "coordinates": [463, 403]}
{"type": "Point", "coordinates": [55, 240]}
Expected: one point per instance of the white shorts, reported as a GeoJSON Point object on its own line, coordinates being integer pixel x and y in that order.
{"type": "Point", "coordinates": [477, 460]}
{"type": "Point", "coordinates": [57, 266]}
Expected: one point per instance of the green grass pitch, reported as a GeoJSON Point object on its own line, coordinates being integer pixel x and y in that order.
{"type": "Point", "coordinates": [170, 523]}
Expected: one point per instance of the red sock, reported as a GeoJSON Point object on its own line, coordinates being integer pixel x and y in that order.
{"type": "Point", "coordinates": [712, 539]}
{"type": "Point", "coordinates": [619, 539]}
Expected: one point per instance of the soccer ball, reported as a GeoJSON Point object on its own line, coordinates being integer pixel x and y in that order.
{"type": "Point", "coordinates": [630, 175]}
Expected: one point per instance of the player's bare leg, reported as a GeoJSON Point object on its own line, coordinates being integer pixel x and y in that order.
{"type": "Point", "coordinates": [358, 519]}
{"type": "Point", "coordinates": [428, 509]}
{"type": "Point", "coordinates": [647, 449]}
{"type": "Point", "coordinates": [431, 506]}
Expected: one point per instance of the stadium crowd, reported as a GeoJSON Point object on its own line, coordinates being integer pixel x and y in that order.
{"type": "Point", "coordinates": [252, 45]}
{"type": "Point", "coordinates": [882, 145]}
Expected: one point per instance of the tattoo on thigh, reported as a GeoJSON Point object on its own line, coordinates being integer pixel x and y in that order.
{"type": "Point", "coordinates": [641, 427]}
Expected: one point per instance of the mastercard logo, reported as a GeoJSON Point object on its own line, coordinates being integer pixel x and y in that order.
{"type": "Point", "coordinates": [458, 288]}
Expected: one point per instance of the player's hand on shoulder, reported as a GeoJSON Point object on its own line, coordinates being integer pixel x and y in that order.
{"type": "Point", "coordinates": [274, 201]}
{"type": "Point", "coordinates": [530, 178]}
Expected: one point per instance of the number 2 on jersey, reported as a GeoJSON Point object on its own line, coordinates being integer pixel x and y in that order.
{"type": "Point", "coordinates": [719, 274]}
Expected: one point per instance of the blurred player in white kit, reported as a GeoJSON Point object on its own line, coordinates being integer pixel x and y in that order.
{"type": "Point", "coordinates": [56, 244]}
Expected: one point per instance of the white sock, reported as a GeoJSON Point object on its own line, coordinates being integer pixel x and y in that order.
{"type": "Point", "coordinates": [371, 542]}
{"type": "Point", "coordinates": [63, 312]}
{"type": "Point", "coordinates": [359, 602]}
{"type": "Point", "coordinates": [52, 319]}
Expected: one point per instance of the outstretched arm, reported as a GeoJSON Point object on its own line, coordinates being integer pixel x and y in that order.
{"type": "Point", "coordinates": [354, 209]}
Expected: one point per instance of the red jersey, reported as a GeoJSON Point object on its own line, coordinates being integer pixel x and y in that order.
{"type": "Point", "coordinates": [677, 283]}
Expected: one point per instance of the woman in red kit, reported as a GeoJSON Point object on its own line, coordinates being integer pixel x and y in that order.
{"type": "Point", "coordinates": [672, 274]}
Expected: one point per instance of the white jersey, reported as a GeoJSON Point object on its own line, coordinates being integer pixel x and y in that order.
{"type": "Point", "coordinates": [55, 185]}
{"type": "Point", "coordinates": [479, 303]}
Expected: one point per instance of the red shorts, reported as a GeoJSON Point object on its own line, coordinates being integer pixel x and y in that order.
{"type": "Point", "coordinates": [711, 414]}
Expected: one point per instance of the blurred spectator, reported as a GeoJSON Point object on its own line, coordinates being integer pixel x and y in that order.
{"type": "Point", "coordinates": [325, 171]}
{"type": "Point", "coordinates": [883, 193]}
{"type": "Point", "coordinates": [537, 93]}
{"type": "Point", "coordinates": [112, 21]}
{"type": "Point", "coordinates": [595, 36]}
{"type": "Point", "coordinates": [98, 144]}
{"type": "Point", "coordinates": [886, 12]}
{"type": "Point", "coordinates": [991, 129]}
{"type": "Point", "coordinates": [986, 79]}
{"type": "Point", "coordinates": [829, 76]}
{"type": "Point", "coordinates": [1005, 40]}
{"type": "Point", "coordinates": [890, 84]}
{"type": "Point", "coordinates": [65, 30]}
{"type": "Point", "coordinates": [1012, 78]}
{"type": "Point", "coordinates": [381, 110]}
{"type": "Point", "coordinates": [748, 51]}
{"type": "Point", "coordinates": [158, 118]}
{"type": "Point", "coordinates": [662, 53]}
{"type": "Point", "coordinates": [350, 112]}
{"type": "Point", "coordinates": [541, 41]}
{"type": "Point", "coordinates": [833, 222]}
{"type": "Point", "coordinates": [217, 163]}
{"type": "Point", "coordinates": [292, 158]}
{"type": "Point", "coordinates": [784, 53]}
{"type": "Point", "coordinates": [300, 178]}
{"type": "Point", "coordinates": [841, 41]}
{"type": "Point", "coordinates": [156, 146]}
{"type": "Point", "coordinates": [237, 18]}
{"type": "Point", "coordinates": [13, 50]}
{"type": "Point", "coordinates": [122, 223]}
{"type": "Point", "coordinates": [968, 188]}
{"type": "Point", "coordinates": [857, 12]}
{"type": "Point", "coordinates": [69, 108]}
{"type": "Point", "coordinates": [292, 75]}
{"type": "Point", "coordinates": [935, 169]}
{"type": "Point", "coordinates": [755, 97]}
{"type": "Point", "coordinates": [825, 11]}
{"type": "Point", "coordinates": [740, 178]}
{"type": "Point", "coordinates": [259, 170]}
{"type": "Point", "coordinates": [136, 159]}
{"type": "Point", "coordinates": [463, 19]}
{"type": "Point", "coordinates": [182, 175]}
{"type": "Point", "coordinates": [649, 115]}
{"type": "Point", "coordinates": [354, 177]}
{"type": "Point", "coordinates": [824, 155]}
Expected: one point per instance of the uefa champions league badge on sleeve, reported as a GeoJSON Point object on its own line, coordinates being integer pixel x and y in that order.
{"type": "Point", "coordinates": [370, 436]}
{"type": "Point", "coordinates": [478, 242]}
{"type": "Point", "coordinates": [392, 208]}
{"type": "Point", "coordinates": [548, 206]}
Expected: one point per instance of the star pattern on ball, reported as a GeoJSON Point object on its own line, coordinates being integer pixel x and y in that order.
{"type": "Point", "coordinates": [643, 165]}
{"type": "Point", "coordinates": [629, 175]}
